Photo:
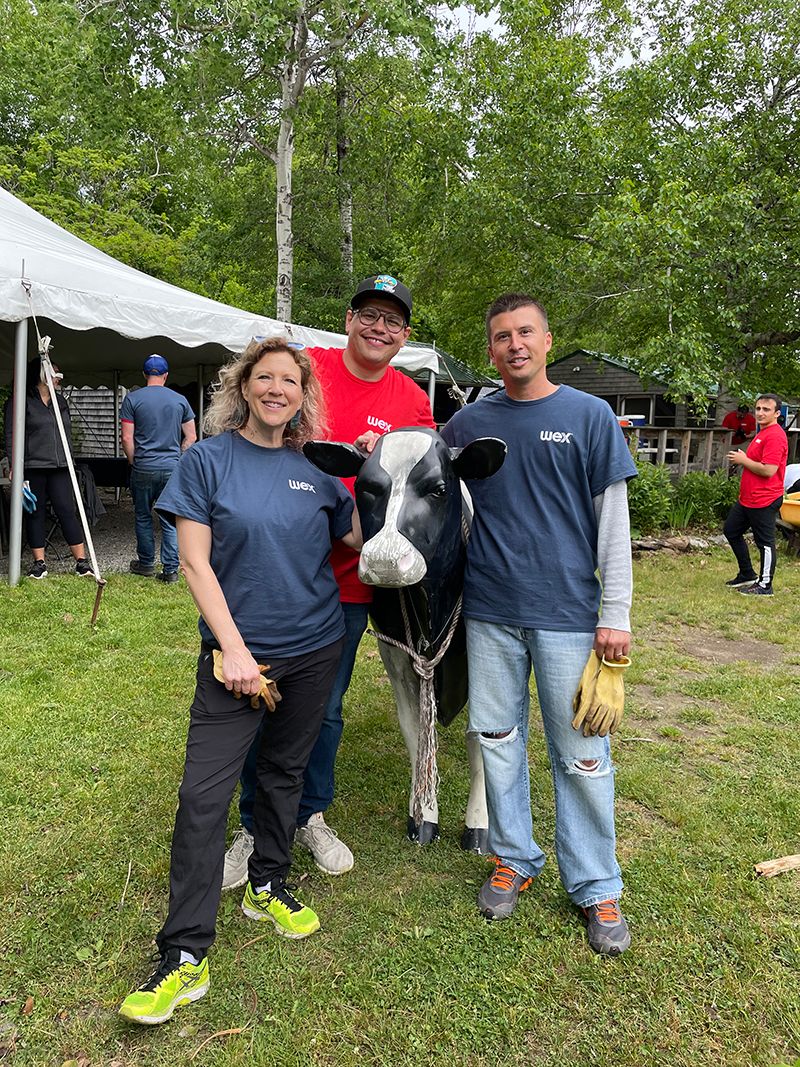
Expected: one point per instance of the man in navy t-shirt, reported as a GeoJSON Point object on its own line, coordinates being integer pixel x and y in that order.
{"type": "Point", "coordinates": [157, 424]}
{"type": "Point", "coordinates": [553, 516]}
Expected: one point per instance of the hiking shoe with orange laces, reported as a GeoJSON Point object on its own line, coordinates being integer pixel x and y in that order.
{"type": "Point", "coordinates": [606, 928]}
{"type": "Point", "coordinates": [499, 894]}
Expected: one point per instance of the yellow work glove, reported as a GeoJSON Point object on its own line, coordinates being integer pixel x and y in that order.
{"type": "Point", "coordinates": [583, 701]}
{"type": "Point", "coordinates": [600, 698]}
{"type": "Point", "coordinates": [268, 691]}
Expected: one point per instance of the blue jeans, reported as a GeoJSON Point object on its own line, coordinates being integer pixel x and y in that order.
{"type": "Point", "coordinates": [500, 661]}
{"type": "Point", "coordinates": [318, 784]}
{"type": "Point", "coordinates": [146, 487]}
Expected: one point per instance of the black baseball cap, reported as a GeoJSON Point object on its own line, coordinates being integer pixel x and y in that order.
{"type": "Point", "coordinates": [383, 285]}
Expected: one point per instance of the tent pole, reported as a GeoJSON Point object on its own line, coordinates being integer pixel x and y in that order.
{"type": "Point", "coordinates": [18, 451]}
{"type": "Point", "coordinates": [117, 490]}
{"type": "Point", "coordinates": [201, 404]}
{"type": "Point", "coordinates": [431, 387]}
{"type": "Point", "coordinates": [116, 414]}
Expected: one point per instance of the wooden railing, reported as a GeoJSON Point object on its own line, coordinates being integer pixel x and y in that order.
{"type": "Point", "coordinates": [692, 448]}
{"type": "Point", "coordinates": [688, 448]}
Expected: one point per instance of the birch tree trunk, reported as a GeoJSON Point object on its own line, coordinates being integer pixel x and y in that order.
{"type": "Point", "coordinates": [345, 188]}
{"type": "Point", "coordinates": [293, 73]}
{"type": "Point", "coordinates": [283, 218]}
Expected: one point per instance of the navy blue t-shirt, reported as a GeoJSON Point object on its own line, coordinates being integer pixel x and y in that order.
{"type": "Point", "coordinates": [273, 517]}
{"type": "Point", "coordinates": [532, 553]}
{"type": "Point", "coordinates": [157, 414]}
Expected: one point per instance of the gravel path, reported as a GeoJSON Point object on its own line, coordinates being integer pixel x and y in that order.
{"type": "Point", "coordinates": [113, 536]}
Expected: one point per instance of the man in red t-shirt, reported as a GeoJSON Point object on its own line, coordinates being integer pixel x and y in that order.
{"type": "Point", "coordinates": [741, 422]}
{"type": "Point", "coordinates": [760, 498]}
{"type": "Point", "coordinates": [364, 398]}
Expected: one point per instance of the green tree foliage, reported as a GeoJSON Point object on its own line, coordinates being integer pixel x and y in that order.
{"type": "Point", "coordinates": [633, 165]}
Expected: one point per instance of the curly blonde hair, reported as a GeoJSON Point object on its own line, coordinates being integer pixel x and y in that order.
{"type": "Point", "coordinates": [228, 409]}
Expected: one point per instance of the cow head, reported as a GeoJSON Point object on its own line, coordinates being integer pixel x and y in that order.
{"type": "Point", "coordinates": [409, 499]}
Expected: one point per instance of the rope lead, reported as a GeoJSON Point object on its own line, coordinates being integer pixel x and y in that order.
{"type": "Point", "coordinates": [426, 772]}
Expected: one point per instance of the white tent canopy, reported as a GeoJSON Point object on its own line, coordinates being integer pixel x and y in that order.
{"type": "Point", "coordinates": [105, 317]}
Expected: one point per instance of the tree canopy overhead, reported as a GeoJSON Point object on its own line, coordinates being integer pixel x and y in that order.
{"type": "Point", "coordinates": [633, 165]}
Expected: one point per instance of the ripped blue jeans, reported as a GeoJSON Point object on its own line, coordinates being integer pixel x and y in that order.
{"type": "Point", "coordinates": [500, 662]}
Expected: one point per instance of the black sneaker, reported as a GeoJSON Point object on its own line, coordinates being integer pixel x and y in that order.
{"type": "Point", "coordinates": [142, 569]}
{"type": "Point", "coordinates": [757, 590]}
{"type": "Point", "coordinates": [38, 569]}
{"type": "Point", "coordinates": [606, 929]}
{"type": "Point", "coordinates": [168, 576]}
{"type": "Point", "coordinates": [83, 567]}
{"type": "Point", "coordinates": [499, 894]}
{"type": "Point", "coordinates": [740, 580]}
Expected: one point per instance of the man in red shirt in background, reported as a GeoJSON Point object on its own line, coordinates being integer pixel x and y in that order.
{"type": "Point", "coordinates": [364, 398]}
{"type": "Point", "coordinates": [741, 422]}
{"type": "Point", "coordinates": [760, 498]}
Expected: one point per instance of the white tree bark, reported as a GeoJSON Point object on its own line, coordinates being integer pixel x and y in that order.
{"type": "Point", "coordinates": [293, 74]}
{"type": "Point", "coordinates": [345, 188]}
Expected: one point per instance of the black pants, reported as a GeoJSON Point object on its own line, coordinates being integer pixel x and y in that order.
{"type": "Point", "coordinates": [221, 730]}
{"type": "Point", "coordinates": [53, 484]}
{"type": "Point", "coordinates": [762, 522]}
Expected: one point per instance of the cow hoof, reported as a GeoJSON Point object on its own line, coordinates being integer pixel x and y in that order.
{"type": "Point", "coordinates": [424, 834]}
{"type": "Point", "coordinates": [475, 839]}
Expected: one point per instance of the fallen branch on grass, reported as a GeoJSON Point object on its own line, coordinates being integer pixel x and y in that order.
{"type": "Point", "coordinates": [219, 1033]}
{"type": "Point", "coordinates": [769, 868]}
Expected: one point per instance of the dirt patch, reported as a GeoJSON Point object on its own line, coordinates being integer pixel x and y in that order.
{"type": "Point", "coordinates": [638, 812]}
{"type": "Point", "coordinates": [673, 709]}
{"type": "Point", "coordinates": [711, 648]}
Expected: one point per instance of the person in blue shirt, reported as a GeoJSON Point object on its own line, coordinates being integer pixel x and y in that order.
{"type": "Point", "coordinates": [256, 522]}
{"type": "Point", "coordinates": [157, 425]}
{"type": "Point", "coordinates": [554, 515]}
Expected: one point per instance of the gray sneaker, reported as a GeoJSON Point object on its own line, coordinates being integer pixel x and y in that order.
{"type": "Point", "coordinates": [330, 854]}
{"type": "Point", "coordinates": [606, 929]}
{"type": "Point", "coordinates": [499, 894]}
{"type": "Point", "coordinates": [234, 873]}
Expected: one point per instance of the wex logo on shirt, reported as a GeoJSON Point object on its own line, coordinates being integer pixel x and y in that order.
{"type": "Point", "coordinates": [556, 436]}
{"type": "Point", "coordinates": [305, 486]}
{"type": "Point", "coordinates": [379, 424]}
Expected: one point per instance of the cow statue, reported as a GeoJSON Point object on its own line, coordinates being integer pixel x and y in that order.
{"type": "Point", "coordinates": [413, 516]}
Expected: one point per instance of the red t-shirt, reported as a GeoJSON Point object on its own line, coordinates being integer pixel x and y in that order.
{"type": "Point", "coordinates": [742, 425]}
{"type": "Point", "coordinates": [353, 407]}
{"type": "Point", "coordinates": [771, 446]}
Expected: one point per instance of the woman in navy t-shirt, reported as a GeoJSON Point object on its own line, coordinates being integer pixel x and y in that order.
{"type": "Point", "coordinates": [256, 522]}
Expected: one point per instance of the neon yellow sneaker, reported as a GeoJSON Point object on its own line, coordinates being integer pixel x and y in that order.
{"type": "Point", "coordinates": [171, 985]}
{"type": "Point", "coordinates": [291, 918]}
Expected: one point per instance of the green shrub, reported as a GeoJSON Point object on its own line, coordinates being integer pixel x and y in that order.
{"type": "Point", "coordinates": [650, 497]}
{"type": "Point", "coordinates": [703, 499]}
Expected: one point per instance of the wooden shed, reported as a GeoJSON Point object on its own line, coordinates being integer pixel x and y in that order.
{"type": "Point", "coordinates": [612, 379]}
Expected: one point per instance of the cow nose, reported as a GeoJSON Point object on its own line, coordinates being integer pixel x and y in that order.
{"type": "Point", "coordinates": [391, 561]}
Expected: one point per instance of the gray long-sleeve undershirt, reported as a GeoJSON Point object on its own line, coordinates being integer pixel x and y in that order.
{"type": "Point", "coordinates": [614, 556]}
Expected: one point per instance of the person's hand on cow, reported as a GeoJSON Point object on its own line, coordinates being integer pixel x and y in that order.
{"type": "Point", "coordinates": [367, 441]}
{"type": "Point", "coordinates": [611, 644]}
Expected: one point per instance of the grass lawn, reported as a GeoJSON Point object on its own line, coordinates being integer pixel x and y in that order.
{"type": "Point", "coordinates": [404, 970]}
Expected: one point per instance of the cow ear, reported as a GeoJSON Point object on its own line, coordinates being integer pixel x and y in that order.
{"type": "Point", "coordinates": [332, 457]}
{"type": "Point", "coordinates": [479, 459]}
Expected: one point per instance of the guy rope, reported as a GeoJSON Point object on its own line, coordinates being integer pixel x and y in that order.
{"type": "Point", "coordinates": [47, 369]}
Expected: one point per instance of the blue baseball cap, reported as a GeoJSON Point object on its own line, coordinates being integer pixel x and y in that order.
{"type": "Point", "coordinates": [155, 366]}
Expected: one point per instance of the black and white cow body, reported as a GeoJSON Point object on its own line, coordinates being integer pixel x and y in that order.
{"type": "Point", "coordinates": [410, 502]}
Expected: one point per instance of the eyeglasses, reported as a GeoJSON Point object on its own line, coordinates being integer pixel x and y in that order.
{"type": "Point", "coordinates": [370, 315]}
